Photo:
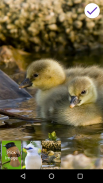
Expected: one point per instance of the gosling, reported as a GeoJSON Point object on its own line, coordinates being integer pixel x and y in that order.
{"type": "Point", "coordinates": [84, 105]}
{"type": "Point", "coordinates": [52, 97]}
{"type": "Point", "coordinates": [46, 75]}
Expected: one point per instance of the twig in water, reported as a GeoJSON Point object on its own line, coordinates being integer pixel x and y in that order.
{"type": "Point", "coordinates": [16, 116]}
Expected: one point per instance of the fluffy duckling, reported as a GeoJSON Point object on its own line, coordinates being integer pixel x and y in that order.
{"type": "Point", "coordinates": [94, 72]}
{"type": "Point", "coordinates": [84, 106]}
{"type": "Point", "coordinates": [46, 75]}
{"type": "Point", "coordinates": [54, 157]}
{"type": "Point", "coordinates": [82, 90]}
{"type": "Point", "coordinates": [49, 77]}
{"type": "Point", "coordinates": [52, 97]}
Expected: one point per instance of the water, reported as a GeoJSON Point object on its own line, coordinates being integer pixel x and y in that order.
{"type": "Point", "coordinates": [87, 140]}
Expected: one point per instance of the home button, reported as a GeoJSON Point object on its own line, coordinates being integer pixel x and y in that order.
{"type": "Point", "coordinates": [51, 176]}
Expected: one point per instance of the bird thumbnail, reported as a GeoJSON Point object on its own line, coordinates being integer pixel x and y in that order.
{"type": "Point", "coordinates": [32, 159]}
{"type": "Point", "coordinates": [13, 153]}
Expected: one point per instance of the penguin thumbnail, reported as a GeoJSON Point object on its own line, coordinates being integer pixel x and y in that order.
{"type": "Point", "coordinates": [31, 155]}
{"type": "Point", "coordinates": [11, 154]}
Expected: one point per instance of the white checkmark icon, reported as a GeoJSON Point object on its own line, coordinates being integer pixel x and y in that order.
{"type": "Point", "coordinates": [92, 10]}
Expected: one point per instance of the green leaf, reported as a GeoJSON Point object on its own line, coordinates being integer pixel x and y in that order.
{"type": "Point", "coordinates": [52, 136]}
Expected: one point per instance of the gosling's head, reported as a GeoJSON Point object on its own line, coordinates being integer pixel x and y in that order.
{"type": "Point", "coordinates": [81, 90]}
{"type": "Point", "coordinates": [44, 74]}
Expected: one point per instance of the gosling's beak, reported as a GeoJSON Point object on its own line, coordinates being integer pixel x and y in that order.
{"type": "Point", "coordinates": [74, 101]}
{"type": "Point", "coordinates": [25, 83]}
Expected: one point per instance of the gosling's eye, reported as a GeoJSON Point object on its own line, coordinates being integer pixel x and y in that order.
{"type": "Point", "coordinates": [35, 75]}
{"type": "Point", "coordinates": [83, 92]}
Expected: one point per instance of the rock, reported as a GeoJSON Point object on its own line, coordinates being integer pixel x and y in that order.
{"type": "Point", "coordinates": [25, 5]}
{"type": "Point", "coordinates": [67, 162]}
{"type": "Point", "coordinates": [74, 16]}
{"type": "Point", "coordinates": [51, 19]}
{"type": "Point", "coordinates": [6, 54]}
{"type": "Point", "coordinates": [80, 161]}
{"type": "Point", "coordinates": [72, 36]}
{"type": "Point", "coordinates": [100, 36]}
{"type": "Point", "coordinates": [78, 24]}
{"type": "Point", "coordinates": [81, 17]}
{"type": "Point", "coordinates": [8, 1]}
{"type": "Point", "coordinates": [62, 39]}
{"type": "Point", "coordinates": [90, 25]}
{"type": "Point", "coordinates": [23, 20]}
{"type": "Point", "coordinates": [11, 26]}
{"type": "Point", "coordinates": [52, 35]}
{"type": "Point", "coordinates": [70, 3]}
{"type": "Point", "coordinates": [62, 17]}
{"type": "Point", "coordinates": [68, 30]}
{"type": "Point", "coordinates": [33, 31]}
{"type": "Point", "coordinates": [53, 27]}
{"type": "Point", "coordinates": [35, 40]}
{"type": "Point", "coordinates": [80, 10]}
{"type": "Point", "coordinates": [77, 1]}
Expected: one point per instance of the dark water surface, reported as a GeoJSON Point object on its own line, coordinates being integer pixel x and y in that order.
{"type": "Point", "coordinates": [87, 140]}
